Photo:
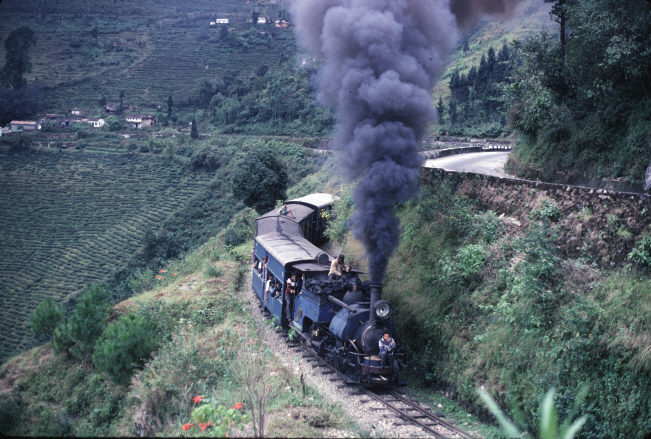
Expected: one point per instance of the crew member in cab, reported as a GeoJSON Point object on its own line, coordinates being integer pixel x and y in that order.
{"type": "Point", "coordinates": [337, 268]}
{"type": "Point", "coordinates": [387, 347]}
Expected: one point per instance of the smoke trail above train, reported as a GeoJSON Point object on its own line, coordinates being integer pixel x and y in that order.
{"type": "Point", "coordinates": [379, 60]}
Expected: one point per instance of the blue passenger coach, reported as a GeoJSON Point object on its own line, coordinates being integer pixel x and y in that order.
{"type": "Point", "coordinates": [289, 244]}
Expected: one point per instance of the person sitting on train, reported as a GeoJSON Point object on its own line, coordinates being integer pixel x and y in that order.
{"type": "Point", "coordinates": [387, 350]}
{"type": "Point", "coordinates": [290, 294]}
{"type": "Point", "coordinates": [285, 211]}
{"type": "Point", "coordinates": [337, 268]}
{"type": "Point", "coordinates": [269, 285]}
{"type": "Point", "coordinates": [275, 289]}
{"type": "Point", "coordinates": [262, 267]}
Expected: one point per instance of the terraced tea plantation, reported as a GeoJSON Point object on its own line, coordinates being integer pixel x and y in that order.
{"type": "Point", "coordinates": [69, 219]}
{"type": "Point", "coordinates": [149, 50]}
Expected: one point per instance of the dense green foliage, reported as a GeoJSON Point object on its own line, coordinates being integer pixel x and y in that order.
{"type": "Point", "coordinates": [241, 228]}
{"type": "Point", "coordinates": [260, 180]}
{"type": "Point", "coordinates": [17, 57]}
{"type": "Point", "coordinates": [506, 312]}
{"type": "Point", "coordinates": [17, 104]}
{"type": "Point", "coordinates": [277, 100]}
{"type": "Point", "coordinates": [77, 334]}
{"type": "Point", "coordinates": [45, 318]}
{"type": "Point", "coordinates": [584, 107]}
{"type": "Point", "coordinates": [477, 103]}
{"type": "Point", "coordinates": [641, 254]}
{"type": "Point", "coordinates": [125, 345]}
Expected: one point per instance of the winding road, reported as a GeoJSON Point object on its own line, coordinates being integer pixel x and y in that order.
{"type": "Point", "coordinates": [488, 163]}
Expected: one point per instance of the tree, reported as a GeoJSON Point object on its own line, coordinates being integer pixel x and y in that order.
{"type": "Point", "coordinates": [17, 59]}
{"type": "Point", "coordinates": [46, 317]}
{"type": "Point", "coordinates": [440, 108]}
{"type": "Point", "coordinates": [121, 101]}
{"type": "Point", "coordinates": [559, 11]}
{"type": "Point", "coordinates": [17, 104]}
{"type": "Point", "coordinates": [77, 335]}
{"type": "Point", "coordinates": [170, 103]}
{"type": "Point", "coordinates": [124, 346]}
{"type": "Point", "coordinates": [260, 180]}
{"type": "Point", "coordinates": [193, 129]}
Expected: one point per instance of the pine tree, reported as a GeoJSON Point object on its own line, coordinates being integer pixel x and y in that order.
{"type": "Point", "coordinates": [193, 129]}
{"type": "Point", "coordinates": [440, 108]}
{"type": "Point", "coordinates": [559, 11]}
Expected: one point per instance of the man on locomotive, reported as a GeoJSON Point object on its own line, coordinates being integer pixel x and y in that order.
{"type": "Point", "coordinates": [387, 350]}
{"type": "Point", "coordinates": [337, 268]}
{"type": "Point", "coordinates": [290, 294]}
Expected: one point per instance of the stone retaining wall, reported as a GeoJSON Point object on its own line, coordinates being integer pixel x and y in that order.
{"type": "Point", "coordinates": [599, 225]}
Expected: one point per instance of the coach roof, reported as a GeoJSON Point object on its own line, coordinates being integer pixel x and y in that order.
{"type": "Point", "coordinates": [290, 249]}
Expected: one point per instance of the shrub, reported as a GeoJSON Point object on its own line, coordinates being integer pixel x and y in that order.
{"type": "Point", "coordinates": [240, 228]}
{"type": "Point", "coordinates": [124, 346]}
{"type": "Point", "coordinates": [207, 159]}
{"type": "Point", "coordinates": [77, 335]}
{"type": "Point", "coordinates": [548, 211]}
{"type": "Point", "coordinates": [641, 254]}
{"type": "Point", "coordinates": [45, 318]}
{"type": "Point", "coordinates": [464, 269]}
{"type": "Point", "coordinates": [212, 271]}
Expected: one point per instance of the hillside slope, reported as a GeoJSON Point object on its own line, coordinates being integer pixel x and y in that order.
{"type": "Point", "coordinates": [69, 220]}
{"type": "Point", "coordinates": [149, 50]}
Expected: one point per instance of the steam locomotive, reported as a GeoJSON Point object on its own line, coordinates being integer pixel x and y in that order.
{"type": "Point", "coordinates": [343, 319]}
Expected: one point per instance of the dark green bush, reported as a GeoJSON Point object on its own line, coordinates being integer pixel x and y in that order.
{"type": "Point", "coordinates": [240, 228]}
{"type": "Point", "coordinates": [547, 211]}
{"type": "Point", "coordinates": [77, 335]}
{"type": "Point", "coordinates": [641, 254]}
{"type": "Point", "coordinates": [207, 159]}
{"type": "Point", "coordinates": [124, 346]}
{"type": "Point", "coordinates": [46, 317]}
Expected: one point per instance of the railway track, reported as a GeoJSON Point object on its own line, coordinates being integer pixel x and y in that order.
{"type": "Point", "coordinates": [405, 410]}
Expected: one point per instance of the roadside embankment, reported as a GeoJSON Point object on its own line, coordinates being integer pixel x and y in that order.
{"type": "Point", "coordinates": [600, 223]}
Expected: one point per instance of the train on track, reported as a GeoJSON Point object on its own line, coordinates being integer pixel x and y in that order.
{"type": "Point", "coordinates": [342, 319]}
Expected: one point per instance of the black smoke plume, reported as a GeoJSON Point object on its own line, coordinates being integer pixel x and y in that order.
{"type": "Point", "coordinates": [380, 59]}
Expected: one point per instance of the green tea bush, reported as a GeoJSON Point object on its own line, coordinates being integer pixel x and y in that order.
{"type": "Point", "coordinates": [124, 346]}
{"type": "Point", "coordinates": [77, 335]}
{"type": "Point", "coordinates": [46, 317]}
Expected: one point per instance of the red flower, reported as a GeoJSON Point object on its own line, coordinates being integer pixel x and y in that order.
{"type": "Point", "coordinates": [238, 406]}
{"type": "Point", "coordinates": [187, 426]}
{"type": "Point", "coordinates": [204, 426]}
{"type": "Point", "coordinates": [157, 277]}
{"type": "Point", "coordinates": [197, 399]}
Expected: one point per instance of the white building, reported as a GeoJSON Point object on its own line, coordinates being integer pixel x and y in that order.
{"type": "Point", "coordinates": [96, 123]}
{"type": "Point", "coordinates": [24, 125]}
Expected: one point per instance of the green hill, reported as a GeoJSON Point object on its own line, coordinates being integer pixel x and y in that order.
{"type": "Point", "coordinates": [150, 50]}
{"type": "Point", "coordinates": [69, 220]}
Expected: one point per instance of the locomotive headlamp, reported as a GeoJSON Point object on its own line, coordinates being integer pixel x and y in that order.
{"type": "Point", "coordinates": [382, 309]}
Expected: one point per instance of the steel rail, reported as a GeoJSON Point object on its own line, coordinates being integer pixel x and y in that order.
{"type": "Point", "coordinates": [414, 405]}
{"type": "Point", "coordinates": [403, 413]}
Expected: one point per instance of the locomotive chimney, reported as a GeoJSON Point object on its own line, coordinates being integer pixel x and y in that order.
{"type": "Point", "coordinates": [376, 291]}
